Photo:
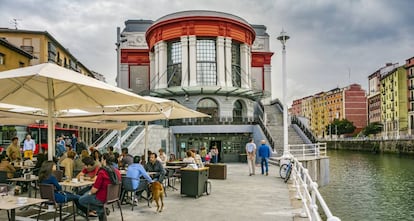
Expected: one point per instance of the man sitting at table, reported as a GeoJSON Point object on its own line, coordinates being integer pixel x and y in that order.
{"type": "Point", "coordinates": [127, 159]}
{"type": "Point", "coordinates": [6, 166]}
{"type": "Point", "coordinates": [106, 175]}
{"type": "Point", "coordinates": [155, 165]}
{"type": "Point", "coordinates": [90, 170]}
{"type": "Point", "coordinates": [135, 172]}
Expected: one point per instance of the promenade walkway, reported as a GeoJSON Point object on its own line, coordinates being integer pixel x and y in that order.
{"type": "Point", "coordinates": [239, 197]}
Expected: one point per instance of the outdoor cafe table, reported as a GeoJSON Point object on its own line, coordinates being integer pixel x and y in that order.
{"type": "Point", "coordinates": [29, 180]}
{"type": "Point", "coordinates": [78, 184]}
{"type": "Point", "coordinates": [10, 203]}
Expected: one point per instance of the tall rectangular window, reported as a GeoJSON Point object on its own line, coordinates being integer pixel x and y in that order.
{"type": "Point", "coordinates": [235, 64]}
{"type": "Point", "coordinates": [174, 58]}
{"type": "Point", "coordinates": [206, 62]}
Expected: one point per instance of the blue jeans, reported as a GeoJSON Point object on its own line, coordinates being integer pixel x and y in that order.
{"type": "Point", "coordinates": [266, 164]}
{"type": "Point", "coordinates": [94, 204]}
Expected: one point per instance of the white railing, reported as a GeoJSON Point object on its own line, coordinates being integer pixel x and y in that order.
{"type": "Point", "coordinates": [308, 150]}
{"type": "Point", "coordinates": [306, 189]}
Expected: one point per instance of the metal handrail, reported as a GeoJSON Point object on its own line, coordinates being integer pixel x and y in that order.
{"type": "Point", "coordinates": [307, 190]}
{"type": "Point", "coordinates": [308, 150]}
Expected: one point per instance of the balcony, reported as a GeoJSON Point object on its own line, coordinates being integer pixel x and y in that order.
{"type": "Point", "coordinates": [410, 76]}
{"type": "Point", "coordinates": [213, 121]}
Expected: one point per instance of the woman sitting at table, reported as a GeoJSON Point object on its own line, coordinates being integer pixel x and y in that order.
{"type": "Point", "coordinates": [46, 177]}
{"type": "Point", "coordinates": [189, 158]}
{"type": "Point", "coordinates": [68, 164]}
{"type": "Point", "coordinates": [6, 166]}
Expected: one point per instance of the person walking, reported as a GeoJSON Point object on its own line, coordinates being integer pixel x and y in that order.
{"type": "Point", "coordinates": [28, 147]}
{"type": "Point", "coordinates": [251, 156]}
{"type": "Point", "coordinates": [264, 154]}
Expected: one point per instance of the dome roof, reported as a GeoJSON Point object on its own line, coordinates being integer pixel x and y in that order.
{"type": "Point", "coordinates": [206, 13]}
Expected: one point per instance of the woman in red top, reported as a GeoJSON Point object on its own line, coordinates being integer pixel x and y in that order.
{"type": "Point", "coordinates": [106, 175]}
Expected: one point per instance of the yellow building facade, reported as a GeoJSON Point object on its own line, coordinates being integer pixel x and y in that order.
{"type": "Point", "coordinates": [44, 47]}
{"type": "Point", "coordinates": [394, 112]}
{"type": "Point", "coordinates": [12, 57]}
{"type": "Point", "coordinates": [318, 119]}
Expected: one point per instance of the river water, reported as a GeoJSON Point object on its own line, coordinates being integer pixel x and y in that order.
{"type": "Point", "coordinates": [365, 186]}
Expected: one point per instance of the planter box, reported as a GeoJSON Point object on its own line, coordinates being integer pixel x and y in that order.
{"type": "Point", "coordinates": [217, 171]}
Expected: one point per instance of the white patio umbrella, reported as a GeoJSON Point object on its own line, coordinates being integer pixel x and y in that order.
{"type": "Point", "coordinates": [167, 109]}
{"type": "Point", "coordinates": [22, 118]}
{"type": "Point", "coordinates": [54, 88]}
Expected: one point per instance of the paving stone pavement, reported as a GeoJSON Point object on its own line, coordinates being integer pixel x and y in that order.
{"type": "Point", "coordinates": [239, 197]}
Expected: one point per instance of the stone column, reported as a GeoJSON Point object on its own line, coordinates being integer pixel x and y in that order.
{"type": "Point", "coordinates": [249, 66]}
{"type": "Point", "coordinates": [227, 60]}
{"type": "Point", "coordinates": [268, 80]}
{"type": "Point", "coordinates": [244, 62]}
{"type": "Point", "coordinates": [192, 41]}
{"type": "Point", "coordinates": [162, 56]}
{"type": "Point", "coordinates": [156, 67]}
{"type": "Point", "coordinates": [184, 62]}
{"type": "Point", "coordinates": [151, 80]}
{"type": "Point", "coordinates": [221, 69]}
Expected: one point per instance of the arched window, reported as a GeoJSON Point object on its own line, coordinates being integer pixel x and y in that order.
{"type": "Point", "coordinates": [237, 111]}
{"type": "Point", "coordinates": [174, 64]}
{"type": "Point", "coordinates": [206, 62]}
{"type": "Point", "coordinates": [208, 106]}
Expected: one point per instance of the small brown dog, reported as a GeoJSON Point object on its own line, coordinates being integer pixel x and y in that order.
{"type": "Point", "coordinates": [157, 191]}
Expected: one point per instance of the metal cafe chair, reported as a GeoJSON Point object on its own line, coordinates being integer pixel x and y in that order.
{"type": "Point", "coordinates": [113, 193]}
{"type": "Point", "coordinates": [128, 188]}
{"type": "Point", "coordinates": [47, 191]}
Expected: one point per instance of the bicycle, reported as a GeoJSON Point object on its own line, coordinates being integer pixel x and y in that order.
{"type": "Point", "coordinates": [285, 170]}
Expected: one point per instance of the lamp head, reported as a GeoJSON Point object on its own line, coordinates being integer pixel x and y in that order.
{"type": "Point", "coordinates": [283, 37]}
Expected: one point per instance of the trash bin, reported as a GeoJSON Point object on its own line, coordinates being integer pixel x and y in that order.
{"type": "Point", "coordinates": [194, 181]}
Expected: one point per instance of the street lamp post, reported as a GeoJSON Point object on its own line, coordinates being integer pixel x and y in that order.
{"type": "Point", "coordinates": [118, 70]}
{"type": "Point", "coordinates": [283, 38]}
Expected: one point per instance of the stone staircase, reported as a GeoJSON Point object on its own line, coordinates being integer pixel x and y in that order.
{"type": "Point", "coordinates": [132, 137]}
{"type": "Point", "coordinates": [274, 123]}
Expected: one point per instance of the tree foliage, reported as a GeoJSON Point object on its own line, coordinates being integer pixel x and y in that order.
{"type": "Point", "coordinates": [340, 127]}
{"type": "Point", "coordinates": [372, 128]}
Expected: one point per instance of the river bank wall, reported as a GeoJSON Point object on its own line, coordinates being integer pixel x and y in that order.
{"type": "Point", "coordinates": [376, 146]}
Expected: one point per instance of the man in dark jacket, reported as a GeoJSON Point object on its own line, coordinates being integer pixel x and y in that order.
{"type": "Point", "coordinates": [264, 153]}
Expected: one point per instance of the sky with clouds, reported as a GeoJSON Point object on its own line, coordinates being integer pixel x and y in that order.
{"type": "Point", "coordinates": [333, 43]}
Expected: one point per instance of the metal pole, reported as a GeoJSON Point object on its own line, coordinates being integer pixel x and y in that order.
{"type": "Point", "coordinates": [283, 38]}
{"type": "Point", "coordinates": [118, 76]}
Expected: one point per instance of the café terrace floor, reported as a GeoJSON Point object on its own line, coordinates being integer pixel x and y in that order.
{"type": "Point", "coordinates": [239, 197]}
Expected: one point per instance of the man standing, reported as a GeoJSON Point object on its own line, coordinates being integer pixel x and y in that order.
{"type": "Point", "coordinates": [13, 150]}
{"type": "Point", "coordinates": [28, 147]}
{"type": "Point", "coordinates": [251, 156]}
{"type": "Point", "coordinates": [155, 165]}
{"type": "Point", "coordinates": [264, 153]}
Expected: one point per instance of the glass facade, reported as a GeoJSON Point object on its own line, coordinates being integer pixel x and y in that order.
{"type": "Point", "coordinates": [206, 62]}
{"type": "Point", "coordinates": [235, 64]}
{"type": "Point", "coordinates": [231, 146]}
{"type": "Point", "coordinates": [174, 56]}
